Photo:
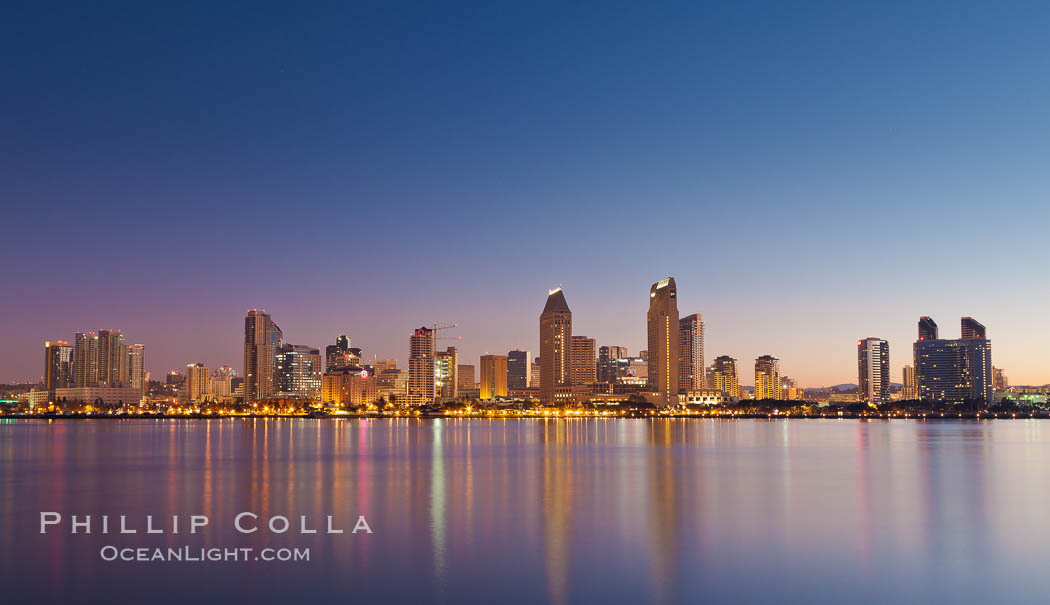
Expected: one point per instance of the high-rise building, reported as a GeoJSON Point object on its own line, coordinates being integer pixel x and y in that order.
{"type": "Point", "coordinates": [137, 368]}
{"type": "Point", "coordinates": [663, 328]}
{"type": "Point", "coordinates": [724, 377]}
{"type": "Point", "coordinates": [197, 378]}
{"type": "Point", "coordinates": [927, 328]}
{"type": "Point", "coordinates": [999, 381]}
{"type": "Point", "coordinates": [421, 367]}
{"type": "Point", "coordinates": [955, 370]}
{"type": "Point", "coordinates": [58, 365]}
{"type": "Point", "coordinates": [338, 355]}
{"type": "Point", "coordinates": [493, 376]}
{"type": "Point", "coordinates": [583, 360]}
{"type": "Point", "coordinates": [607, 362]}
{"type": "Point", "coordinates": [261, 340]}
{"type": "Point", "coordinates": [383, 364]}
{"type": "Point", "coordinates": [298, 372]}
{"type": "Point", "coordinates": [534, 374]}
{"type": "Point", "coordinates": [767, 378]}
{"type": "Point", "coordinates": [446, 367]}
{"type": "Point", "coordinates": [112, 358]}
{"type": "Point", "coordinates": [909, 384]}
{"type": "Point", "coordinates": [873, 370]}
{"type": "Point", "coordinates": [690, 353]}
{"type": "Point", "coordinates": [346, 386]}
{"type": "Point", "coordinates": [221, 383]}
{"type": "Point", "coordinates": [85, 359]}
{"type": "Point", "coordinates": [555, 337]}
{"type": "Point", "coordinates": [518, 363]}
{"type": "Point", "coordinates": [465, 377]}
{"type": "Point", "coordinates": [971, 328]}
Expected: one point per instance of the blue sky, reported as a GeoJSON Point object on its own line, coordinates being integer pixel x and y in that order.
{"type": "Point", "coordinates": [810, 173]}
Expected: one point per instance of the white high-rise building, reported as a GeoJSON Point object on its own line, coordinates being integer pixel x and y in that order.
{"type": "Point", "coordinates": [873, 370]}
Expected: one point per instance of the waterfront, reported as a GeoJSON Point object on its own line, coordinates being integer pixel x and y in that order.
{"type": "Point", "coordinates": [525, 510]}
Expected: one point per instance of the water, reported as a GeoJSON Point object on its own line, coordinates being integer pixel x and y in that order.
{"type": "Point", "coordinates": [520, 511]}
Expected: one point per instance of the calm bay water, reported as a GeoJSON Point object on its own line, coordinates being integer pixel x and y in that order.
{"type": "Point", "coordinates": [557, 511]}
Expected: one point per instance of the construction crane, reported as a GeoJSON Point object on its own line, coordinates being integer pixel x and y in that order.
{"type": "Point", "coordinates": [438, 328]}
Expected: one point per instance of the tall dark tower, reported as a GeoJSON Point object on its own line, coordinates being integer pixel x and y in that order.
{"type": "Point", "coordinates": [555, 340]}
{"type": "Point", "coordinates": [927, 328]}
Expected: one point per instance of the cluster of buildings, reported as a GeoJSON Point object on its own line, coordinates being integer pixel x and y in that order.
{"type": "Point", "coordinates": [101, 369]}
{"type": "Point", "coordinates": [942, 369]}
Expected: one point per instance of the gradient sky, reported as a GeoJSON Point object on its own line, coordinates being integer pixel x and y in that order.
{"type": "Point", "coordinates": [810, 173]}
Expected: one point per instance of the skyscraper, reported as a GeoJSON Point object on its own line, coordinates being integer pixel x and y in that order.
{"type": "Point", "coordinates": [85, 359]}
{"type": "Point", "coordinates": [873, 370]}
{"type": "Point", "coordinates": [691, 353]}
{"type": "Point", "coordinates": [724, 376]}
{"type": "Point", "coordinates": [910, 387]}
{"type": "Point", "coordinates": [465, 377]}
{"type": "Point", "coordinates": [261, 339]}
{"type": "Point", "coordinates": [518, 369]}
{"type": "Point", "coordinates": [137, 368]}
{"type": "Point", "coordinates": [555, 337]}
{"type": "Point", "coordinates": [58, 365]}
{"type": "Point", "coordinates": [446, 368]}
{"type": "Point", "coordinates": [337, 355]}
{"type": "Point", "coordinates": [112, 358]}
{"type": "Point", "coordinates": [927, 328]}
{"type": "Point", "coordinates": [493, 376]}
{"type": "Point", "coordinates": [971, 328]}
{"type": "Point", "coordinates": [607, 358]}
{"type": "Point", "coordinates": [999, 380]}
{"type": "Point", "coordinates": [663, 332]}
{"type": "Point", "coordinates": [421, 367]}
{"type": "Point", "coordinates": [583, 360]}
{"type": "Point", "coordinates": [767, 377]}
{"type": "Point", "coordinates": [297, 371]}
{"type": "Point", "coordinates": [955, 370]}
{"type": "Point", "coordinates": [197, 378]}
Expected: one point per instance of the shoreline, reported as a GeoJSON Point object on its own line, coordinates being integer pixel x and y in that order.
{"type": "Point", "coordinates": [438, 416]}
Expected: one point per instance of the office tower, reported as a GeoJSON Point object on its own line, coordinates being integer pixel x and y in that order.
{"type": "Point", "coordinates": [493, 376]}
{"type": "Point", "coordinates": [691, 353]}
{"type": "Point", "coordinates": [607, 358]}
{"type": "Point", "coordinates": [927, 328]}
{"type": "Point", "coordinates": [955, 370]}
{"type": "Point", "coordinates": [85, 359]}
{"type": "Point", "coordinates": [298, 372]}
{"type": "Point", "coordinates": [383, 364]}
{"type": "Point", "coordinates": [555, 336]}
{"type": "Point", "coordinates": [971, 328]}
{"type": "Point", "coordinates": [999, 381]}
{"type": "Point", "coordinates": [349, 387]}
{"type": "Point", "coordinates": [221, 383]}
{"type": "Point", "coordinates": [261, 339]}
{"type": "Point", "coordinates": [534, 374]}
{"type": "Point", "coordinates": [518, 363]}
{"type": "Point", "coordinates": [465, 377]}
{"type": "Point", "coordinates": [909, 384]}
{"type": "Point", "coordinates": [197, 378]}
{"type": "Point", "coordinates": [137, 368]}
{"type": "Point", "coordinates": [724, 376]}
{"type": "Point", "coordinates": [663, 334]}
{"type": "Point", "coordinates": [767, 377]}
{"type": "Point", "coordinates": [873, 370]}
{"type": "Point", "coordinates": [58, 365]}
{"type": "Point", "coordinates": [337, 355]}
{"type": "Point", "coordinates": [421, 367]}
{"type": "Point", "coordinates": [446, 367]}
{"type": "Point", "coordinates": [112, 358]}
{"type": "Point", "coordinates": [583, 360]}
{"type": "Point", "coordinates": [392, 385]}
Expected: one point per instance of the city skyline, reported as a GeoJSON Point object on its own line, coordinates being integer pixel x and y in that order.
{"type": "Point", "coordinates": [696, 141]}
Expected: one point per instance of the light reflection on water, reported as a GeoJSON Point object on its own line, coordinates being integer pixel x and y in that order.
{"type": "Point", "coordinates": [556, 511]}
